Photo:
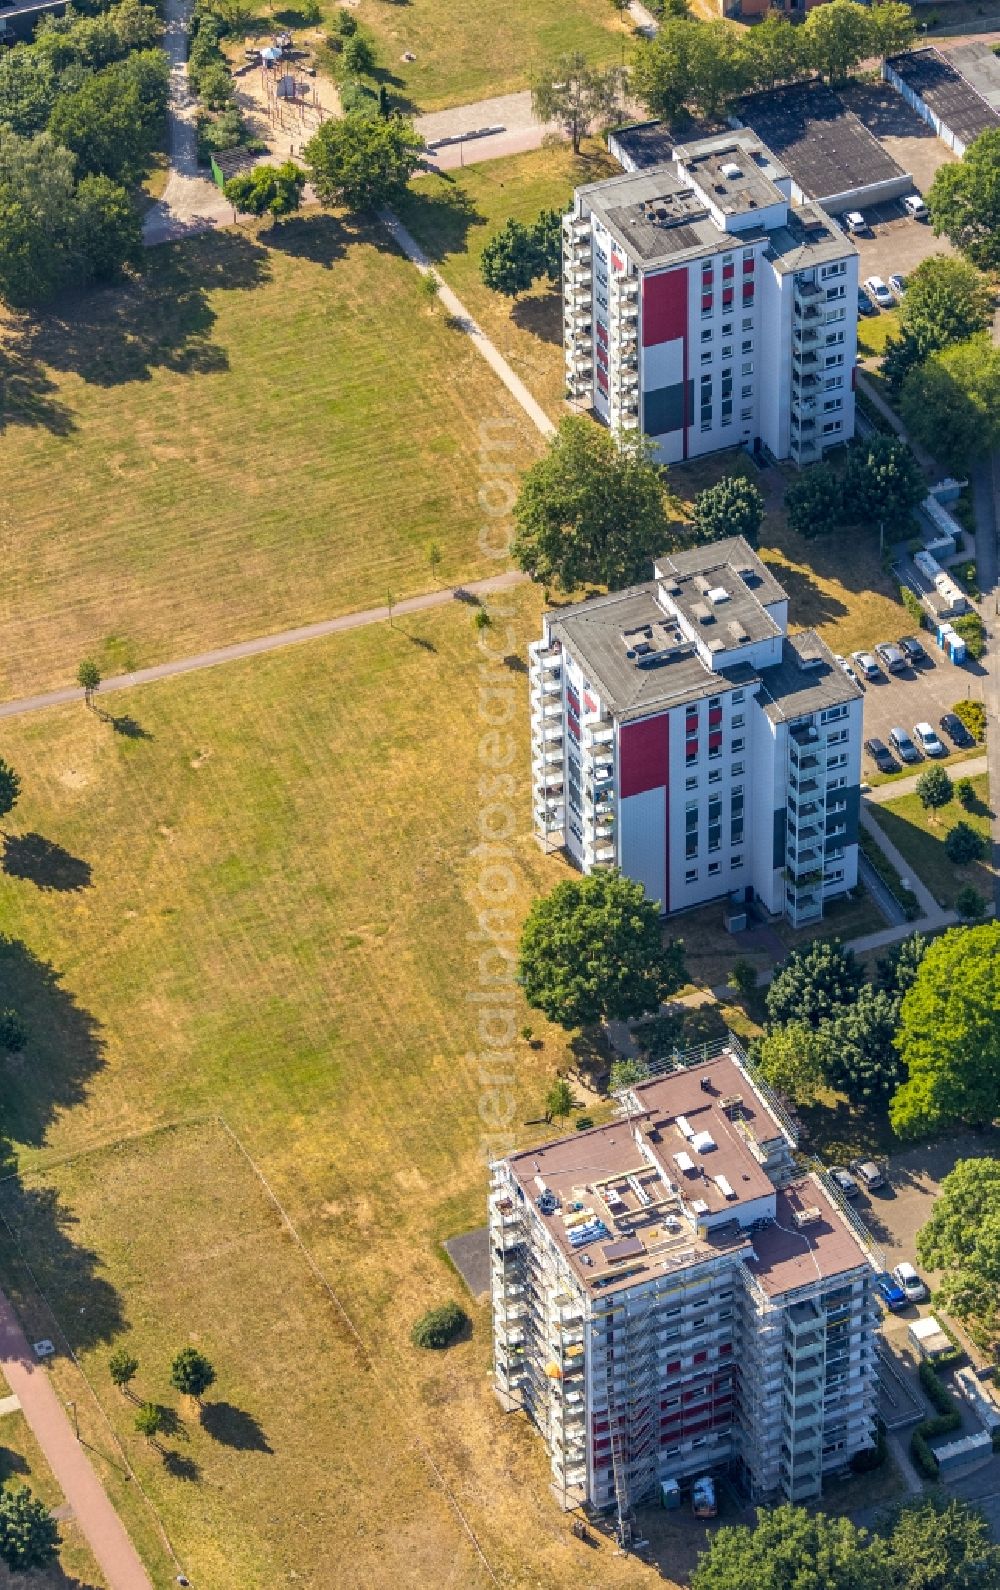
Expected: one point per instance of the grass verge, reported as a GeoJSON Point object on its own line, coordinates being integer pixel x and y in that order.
{"type": "Point", "coordinates": [920, 837]}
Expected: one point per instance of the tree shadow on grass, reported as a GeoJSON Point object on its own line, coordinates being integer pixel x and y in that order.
{"type": "Point", "coordinates": [160, 320]}
{"type": "Point", "coordinates": [41, 861]}
{"type": "Point", "coordinates": [129, 727]}
{"type": "Point", "coordinates": [64, 1050]}
{"type": "Point", "coordinates": [234, 1427]}
{"type": "Point", "coordinates": [181, 1467]}
{"type": "Point", "coordinates": [320, 239]}
{"type": "Point", "coordinates": [87, 1307]}
{"type": "Point", "coordinates": [11, 1463]}
{"type": "Point", "coordinates": [806, 598]}
{"type": "Point", "coordinates": [28, 395]}
{"type": "Point", "coordinates": [440, 218]}
{"type": "Point", "coordinates": [541, 315]}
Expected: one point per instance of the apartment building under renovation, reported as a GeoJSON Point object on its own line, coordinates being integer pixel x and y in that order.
{"type": "Point", "coordinates": [674, 1296]}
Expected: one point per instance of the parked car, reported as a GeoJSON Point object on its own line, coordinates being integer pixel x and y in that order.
{"type": "Point", "coordinates": [843, 1179]}
{"type": "Point", "coordinates": [897, 286]}
{"type": "Point", "coordinates": [903, 745]}
{"type": "Point", "coordinates": [912, 650]}
{"type": "Point", "coordinates": [905, 1276]}
{"type": "Point", "coordinates": [892, 656]}
{"type": "Point", "coordinates": [868, 1173]}
{"type": "Point", "coordinates": [956, 731]}
{"type": "Point", "coordinates": [915, 207]}
{"type": "Point", "coordinates": [889, 1293]}
{"type": "Point", "coordinates": [866, 665]}
{"type": "Point", "coordinates": [865, 305]}
{"type": "Point", "coordinates": [855, 222]}
{"type": "Point", "coordinates": [881, 755]}
{"type": "Point", "coordinates": [927, 740]}
{"type": "Point", "coordinates": [846, 668]}
{"type": "Point", "coordinates": [877, 289]}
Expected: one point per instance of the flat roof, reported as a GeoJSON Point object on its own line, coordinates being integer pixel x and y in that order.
{"type": "Point", "coordinates": [788, 1257]}
{"type": "Point", "coordinates": [946, 92]}
{"type": "Point", "coordinates": [807, 679]}
{"type": "Point", "coordinates": [827, 150]}
{"type": "Point", "coordinates": [738, 177]}
{"type": "Point", "coordinates": [980, 66]}
{"type": "Point", "coordinates": [697, 1126]}
{"type": "Point", "coordinates": [647, 143]}
{"type": "Point", "coordinates": [595, 631]}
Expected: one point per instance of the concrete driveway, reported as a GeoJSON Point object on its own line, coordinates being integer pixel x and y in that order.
{"type": "Point", "coordinates": [895, 1213]}
{"type": "Point", "coordinates": [918, 695]}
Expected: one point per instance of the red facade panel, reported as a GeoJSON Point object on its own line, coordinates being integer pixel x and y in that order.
{"type": "Point", "coordinates": [642, 756]}
{"type": "Point", "coordinates": [664, 307]}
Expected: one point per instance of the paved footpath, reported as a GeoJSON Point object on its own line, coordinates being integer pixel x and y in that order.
{"type": "Point", "coordinates": [265, 643]}
{"type": "Point", "coordinates": [906, 786]}
{"type": "Point", "coordinates": [105, 1534]}
{"type": "Point", "coordinates": [191, 201]}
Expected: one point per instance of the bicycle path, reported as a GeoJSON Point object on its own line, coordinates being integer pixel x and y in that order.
{"type": "Point", "coordinates": [103, 1529]}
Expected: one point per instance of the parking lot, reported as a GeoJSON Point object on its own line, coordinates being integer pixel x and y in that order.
{"type": "Point", "coordinates": [918, 695]}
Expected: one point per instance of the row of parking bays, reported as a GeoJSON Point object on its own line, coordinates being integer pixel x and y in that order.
{"type": "Point", "coordinates": [909, 695]}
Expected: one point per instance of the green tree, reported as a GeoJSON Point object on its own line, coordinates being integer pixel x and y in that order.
{"type": "Point", "coordinates": [361, 161]}
{"type": "Point", "coordinates": [941, 1543]}
{"type": "Point", "coordinates": [965, 794]}
{"type": "Point", "coordinates": [882, 483]}
{"type": "Point", "coordinates": [626, 1073]}
{"type": "Point", "coordinates": [962, 1239]}
{"type": "Point", "coordinates": [964, 201]}
{"type": "Point", "coordinates": [575, 95]}
{"type": "Point", "coordinates": [267, 190]}
{"type": "Point", "coordinates": [10, 788]}
{"type": "Point", "coordinates": [13, 1032]}
{"type": "Point", "coordinates": [191, 1373]}
{"type": "Point", "coordinates": [897, 969]}
{"type": "Point", "coordinates": [914, 606]}
{"type": "Point", "coordinates": [934, 789]}
{"type": "Point", "coordinates": [891, 28]}
{"type": "Point", "coordinates": [718, 66]}
{"type": "Point", "coordinates": [590, 510]}
{"type": "Point", "coordinates": [29, 1537]}
{"type": "Point", "coordinates": [774, 52]}
{"type": "Point", "coordinates": [358, 56]}
{"type": "Point", "coordinates": [149, 1421]}
{"type": "Point", "coordinates": [510, 261]}
{"type": "Point", "coordinates": [113, 120]}
{"type": "Point", "coordinates": [791, 1549]}
{"type": "Point", "coordinates": [36, 217]}
{"type": "Point", "coordinates": [949, 1035]}
{"type": "Point", "coordinates": [793, 1060]}
{"type": "Point", "coordinates": [972, 630]}
{"type": "Point", "coordinates": [963, 844]}
{"type": "Point", "coordinates": [559, 1100]}
{"type": "Point", "coordinates": [734, 506]}
{"type": "Point", "coordinates": [813, 501]}
{"type": "Point", "coordinates": [837, 37]}
{"type": "Point", "coordinates": [969, 904]}
{"type": "Point", "coordinates": [814, 982]}
{"type": "Point", "coordinates": [440, 1326]}
{"type": "Point", "coordinates": [661, 68]}
{"type": "Point", "coordinates": [742, 977]}
{"type": "Point", "coordinates": [951, 403]}
{"type": "Point", "coordinates": [346, 22]}
{"type": "Point", "coordinates": [947, 300]}
{"type": "Point", "coordinates": [593, 950]}
{"type": "Point", "coordinates": [859, 1045]}
{"type": "Point", "coordinates": [123, 1368]}
{"type": "Point", "coordinates": [107, 230]}
{"type": "Point", "coordinates": [89, 676]}
{"type": "Point", "coordinates": [546, 235]}
{"type": "Point", "coordinates": [28, 87]}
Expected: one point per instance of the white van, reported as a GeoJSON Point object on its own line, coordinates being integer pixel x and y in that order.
{"type": "Point", "coordinates": [915, 207]}
{"type": "Point", "coordinates": [855, 221]}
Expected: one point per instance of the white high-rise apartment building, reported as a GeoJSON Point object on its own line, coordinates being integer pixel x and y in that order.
{"type": "Point", "coordinates": [704, 307]}
{"type": "Point", "coordinates": [680, 734]}
{"type": "Point", "coordinates": [674, 1296]}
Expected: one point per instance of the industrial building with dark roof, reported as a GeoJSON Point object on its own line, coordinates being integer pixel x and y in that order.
{"type": "Point", "coordinates": [957, 95]}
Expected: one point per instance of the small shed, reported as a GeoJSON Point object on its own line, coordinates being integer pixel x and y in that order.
{"type": "Point", "coordinates": [227, 162]}
{"type": "Point", "coordinates": [928, 1337]}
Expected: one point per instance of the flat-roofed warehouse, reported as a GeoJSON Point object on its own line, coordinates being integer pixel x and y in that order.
{"type": "Point", "coordinates": [958, 95]}
{"type": "Point", "coordinates": [827, 151]}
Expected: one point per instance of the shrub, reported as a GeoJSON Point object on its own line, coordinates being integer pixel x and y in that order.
{"type": "Point", "coordinates": [584, 1123]}
{"type": "Point", "coordinates": [965, 794]}
{"type": "Point", "coordinates": [440, 1326]}
{"type": "Point", "coordinates": [970, 904]}
{"type": "Point", "coordinates": [914, 606]}
{"type": "Point", "coordinates": [973, 715]}
{"type": "Point", "coordinates": [946, 1420]}
{"type": "Point", "coordinates": [964, 844]}
{"type": "Point", "coordinates": [972, 630]}
{"type": "Point", "coordinates": [347, 23]}
{"type": "Point", "coordinates": [355, 96]}
{"type": "Point", "coordinates": [742, 976]}
{"type": "Point", "coordinates": [626, 1072]}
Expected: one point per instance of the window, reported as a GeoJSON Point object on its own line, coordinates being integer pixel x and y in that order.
{"type": "Point", "coordinates": [690, 846]}
{"type": "Point", "coordinates": [746, 391]}
{"type": "Point", "coordinates": [727, 328]}
{"type": "Point", "coordinates": [713, 702]}
{"type": "Point", "coordinates": [746, 346]}
{"type": "Point", "coordinates": [747, 322]}
{"type": "Point", "coordinates": [737, 861]}
{"type": "Point", "coordinates": [832, 382]}
{"type": "Point", "coordinates": [706, 336]}
{"type": "Point", "coordinates": [832, 427]}
{"type": "Point", "coordinates": [715, 808]}
{"type": "Point", "coordinates": [714, 867]}
{"type": "Point", "coordinates": [691, 752]}
{"type": "Point", "coordinates": [748, 258]}
{"type": "Point", "coordinates": [746, 368]}
{"type": "Point", "coordinates": [715, 776]}
{"type": "Point", "coordinates": [715, 838]}
{"type": "Point", "coordinates": [833, 293]}
{"type": "Point", "coordinates": [834, 338]}
{"type": "Point", "coordinates": [827, 271]}
{"type": "Point", "coordinates": [691, 876]}
{"type": "Point", "coordinates": [832, 405]}
{"type": "Point", "coordinates": [833, 713]}
{"type": "Point", "coordinates": [736, 833]}
{"type": "Point", "coordinates": [835, 315]}
{"type": "Point", "coordinates": [739, 744]}
{"type": "Point", "coordinates": [714, 751]}
{"type": "Point", "coordinates": [728, 272]}
{"type": "Point", "coordinates": [738, 697]}
{"type": "Point", "coordinates": [832, 360]}
{"type": "Point", "coordinates": [690, 784]}
{"type": "Point", "coordinates": [706, 303]}
{"type": "Point", "coordinates": [727, 414]}
{"type": "Point", "coordinates": [706, 421]}
{"type": "Point", "coordinates": [706, 358]}
{"type": "Point", "coordinates": [746, 414]}
{"type": "Point", "coordinates": [737, 770]}
{"type": "Point", "coordinates": [727, 353]}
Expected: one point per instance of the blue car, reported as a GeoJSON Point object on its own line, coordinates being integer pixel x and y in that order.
{"type": "Point", "coordinates": [890, 1295]}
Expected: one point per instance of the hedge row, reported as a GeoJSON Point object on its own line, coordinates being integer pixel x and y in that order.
{"type": "Point", "coordinates": [946, 1420]}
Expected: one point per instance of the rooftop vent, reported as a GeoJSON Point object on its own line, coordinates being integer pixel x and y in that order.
{"type": "Point", "coordinates": [684, 1127]}
{"type": "Point", "coordinates": [805, 1217]}
{"type": "Point", "coordinates": [703, 1142]}
{"type": "Point", "coordinates": [730, 169]}
{"type": "Point", "coordinates": [717, 594]}
{"type": "Point", "coordinates": [700, 1207]}
{"type": "Point", "coordinates": [684, 1163]}
{"type": "Point", "coordinates": [724, 1187]}
{"type": "Point", "coordinates": [701, 584]}
{"type": "Point", "coordinates": [738, 633]}
{"type": "Point", "coordinates": [703, 613]}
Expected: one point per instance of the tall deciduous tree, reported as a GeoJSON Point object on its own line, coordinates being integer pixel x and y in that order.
{"type": "Point", "coordinates": [510, 261]}
{"type": "Point", "coordinates": [814, 983]}
{"type": "Point", "coordinates": [964, 201]}
{"type": "Point", "coordinates": [28, 1533]}
{"type": "Point", "coordinates": [962, 1239]}
{"type": "Point", "coordinates": [941, 1543]}
{"type": "Point", "coordinates": [774, 52]}
{"type": "Point", "coordinates": [10, 788]}
{"type": "Point", "coordinates": [947, 300]}
{"type": "Point", "coordinates": [949, 1035]}
{"type": "Point", "coordinates": [837, 37]}
{"type": "Point", "coordinates": [859, 1049]}
{"type": "Point", "coordinates": [362, 161]}
{"type": "Point", "coordinates": [791, 1549]}
{"type": "Point", "coordinates": [590, 510]}
{"type": "Point", "coordinates": [951, 403]}
{"type": "Point", "coordinates": [734, 506]}
{"type": "Point", "coordinates": [883, 482]}
{"type": "Point", "coordinates": [191, 1373]}
{"type": "Point", "coordinates": [892, 28]}
{"type": "Point", "coordinates": [813, 500]}
{"type": "Point", "coordinates": [661, 68]}
{"type": "Point", "coordinates": [593, 950]}
{"type": "Point", "coordinates": [267, 190]}
{"type": "Point", "coordinates": [934, 789]}
{"type": "Point", "coordinates": [793, 1060]}
{"type": "Point", "coordinates": [575, 95]}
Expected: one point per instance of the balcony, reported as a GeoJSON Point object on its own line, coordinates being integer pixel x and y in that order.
{"type": "Point", "coordinates": [598, 732]}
